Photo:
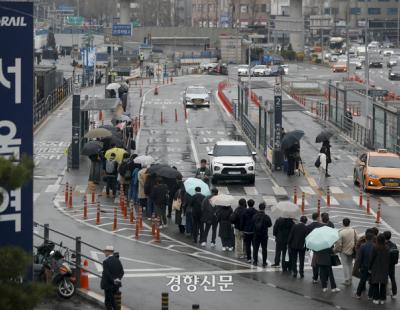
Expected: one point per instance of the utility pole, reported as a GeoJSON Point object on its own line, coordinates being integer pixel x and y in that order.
{"type": "Point", "coordinates": [366, 75]}
{"type": "Point", "coordinates": [347, 39]}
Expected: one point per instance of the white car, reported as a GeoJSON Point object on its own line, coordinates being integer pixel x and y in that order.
{"type": "Point", "coordinates": [357, 63]}
{"type": "Point", "coordinates": [243, 70]}
{"type": "Point", "coordinates": [208, 65]}
{"type": "Point", "coordinates": [260, 70]}
{"type": "Point", "coordinates": [286, 69]}
{"type": "Point", "coordinates": [232, 160]}
{"type": "Point", "coordinates": [388, 52]}
{"type": "Point", "coordinates": [196, 96]}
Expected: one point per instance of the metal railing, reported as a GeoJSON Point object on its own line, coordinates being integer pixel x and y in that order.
{"type": "Point", "coordinates": [249, 129]}
{"type": "Point", "coordinates": [43, 107]}
{"type": "Point", "coordinates": [75, 247]}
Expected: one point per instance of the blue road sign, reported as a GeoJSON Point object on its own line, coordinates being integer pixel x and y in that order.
{"type": "Point", "coordinates": [16, 121]}
{"type": "Point", "coordinates": [121, 30]}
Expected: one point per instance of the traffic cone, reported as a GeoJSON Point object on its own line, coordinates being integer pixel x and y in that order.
{"type": "Point", "coordinates": [70, 197]}
{"type": "Point", "coordinates": [114, 227]}
{"type": "Point", "coordinates": [84, 207]}
{"type": "Point", "coordinates": [378, 214]}
{"type": "Point", "coordinates": [85, 275]}
{"type": "Point", "coordinates": [295, 195]}
{"type": "Point", "coordinates": [66, 193]}
{"type": "Point", "coordinates": [328, 197]}
{"type": "Point", "coordinates": [98, 213]}
{"type": "Point", "coordinates": [302, 202]}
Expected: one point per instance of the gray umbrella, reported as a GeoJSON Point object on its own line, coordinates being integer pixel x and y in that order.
{"type": "Point", "coordinates": [92, 148]}
{"type": "Point", "coordinates": [325, 135]}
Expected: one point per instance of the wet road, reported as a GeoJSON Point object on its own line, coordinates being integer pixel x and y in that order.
{"type": "Point", "coordinates": [149, 265]}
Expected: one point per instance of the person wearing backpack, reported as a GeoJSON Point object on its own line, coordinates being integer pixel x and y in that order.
{"type": "Point", "coordinates": [111, 170]}
{"type": "Point", "coordinates": [261, 223]}
{"type": "Point", "coordinates": [235, 220]}
{"type": "Point", "coordinates": [320, 163]}
{"type": "Point", "coordinates": [394, 260]}
{"type": "Point", "coordinates": [125, 174]}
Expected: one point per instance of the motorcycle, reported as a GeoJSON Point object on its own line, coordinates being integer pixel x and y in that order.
{"type": "Point", "coordinates": [55, 269]}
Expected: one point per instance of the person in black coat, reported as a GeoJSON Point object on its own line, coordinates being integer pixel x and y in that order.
{"type": "Point", "coordinates": [281, 232]}
{"type": "Point", "coordinates": [323, 260]}
{"type": "Point", "coordinates": [361, 265]}
{"type": "Point", "coordinates": [159, 197]}
{"type": "Point", "coordinates": [225, 227]}
{"type": "Point", "coordinates": [246, 226]}
{"type": "Point", "coordinates": [328, 155]}
{"type": "Point", "coordinates": [310, 227]}
{"type": "Point", "coordinates": [235, 220]}
{"type": "Point", "coordinates": [325, 220]}
{"type": "Point", "coordinates": [393, 261]}
{"type": "Point", "coordinates": [261, 223]}
{"type": "Point", "coordinates": [296, 244]}
{"type": "Point", "coordinates": [208, 219]}
{"type": "Point", "coordinates": [111, 277]}
{"type": "Point", "coordinates": [379, 269]}
{"type": "Point", "coordinates": [196, 202]}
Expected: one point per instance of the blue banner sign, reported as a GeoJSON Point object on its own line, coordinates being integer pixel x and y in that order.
{"type": "Point", "coordinates": [121, 30]}
{"type": "Point", "coordinates": [16, 118]}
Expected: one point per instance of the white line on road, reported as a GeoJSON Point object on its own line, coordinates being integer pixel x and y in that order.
{"type": "Point", "coordinates": [279, 191]}
{"type": "Point", "coordinates": [307, 190]}
{"type": "Point", "coordinates": [389, 201]}
{"type": "Point", "coordinates": [223, 190]}
{"type": "Point", "coordinates": [335, 190]}
{"type": "Point", "coordinates": [250, 190]}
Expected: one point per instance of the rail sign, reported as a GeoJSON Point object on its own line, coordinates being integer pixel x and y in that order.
{"type": "Point", "coordinates": [121, 30]}
{"type": "Point", "coordinates": [16, 121]}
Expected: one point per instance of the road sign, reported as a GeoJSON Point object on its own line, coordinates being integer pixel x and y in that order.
{"type": "Point", "coordinates": [277, 126]}
{"type": "Point", "coordinates": [74, 20]}
{"type": "Point", "coordinates": [16, 122]}
{"type": "Point", "coordinates": [121, 30]}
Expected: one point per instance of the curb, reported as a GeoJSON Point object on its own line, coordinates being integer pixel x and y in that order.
{"type": "Point", "coordinates": [94, 298]}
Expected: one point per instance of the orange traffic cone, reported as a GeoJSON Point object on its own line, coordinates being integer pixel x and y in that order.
{"type": "Point", "coordinates": [85, 275]}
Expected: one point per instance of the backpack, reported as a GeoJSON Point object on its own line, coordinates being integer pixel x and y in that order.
{"type": "Point", "coordinates": [393, 255]}
{"type": "Point", "coordinates": [110, 166]}
{"type": "Point", "coordinates": [259, 227]}
{"type": "Point", "coordinates": [318, 162]}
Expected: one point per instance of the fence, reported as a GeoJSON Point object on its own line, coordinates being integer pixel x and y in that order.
{"type": "Point", "coordinates": [42, 108]}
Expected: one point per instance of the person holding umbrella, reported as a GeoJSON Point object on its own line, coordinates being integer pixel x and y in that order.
{"type": "Point", "coordinates": [225, 226]}
{"type": "Point", "coordinates": [291, 149]}
{"type": "Point", "coordinates": [196, 203]}
{"type": "Point", "coordinates": [111, 170]}
{"type": "Point", "coordinates": [324, 137]}
{"type": "Point", "coordinates": [321, 165]}
{"type": "Point", "coordinates": [159, 196]}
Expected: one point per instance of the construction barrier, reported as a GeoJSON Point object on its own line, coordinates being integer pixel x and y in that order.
{"type": "Point", "coordinates": [328, 197]}
{"type": "Point", "coordinates": [368, 205]}
{"type": "Point", "coordinates": [140, 218]}
{"type": "Point", "coordinates": [361, 198]}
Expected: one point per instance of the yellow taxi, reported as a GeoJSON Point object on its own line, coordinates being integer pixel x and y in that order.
{"type": "Point", "coordinates": [377, 170]}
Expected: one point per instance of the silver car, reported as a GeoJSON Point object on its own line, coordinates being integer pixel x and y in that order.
{"type": "Point", "coordinates": [196, 96]}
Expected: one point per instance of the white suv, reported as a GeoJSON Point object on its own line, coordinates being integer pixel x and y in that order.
{"type": "Point", "coordinates": [232, 160]}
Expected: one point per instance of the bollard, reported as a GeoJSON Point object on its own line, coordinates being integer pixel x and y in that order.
{"type": "Point", "coordinates": [125, 211]}
{"type": "Point", "coordinates": [164, 301]}
{"type": "Point", "coordinates": [84, 207]}
{"type": "Point", "coordinates": [131, 217]}
{"type": "Point", "coordinates": [98, 213]}
{"type": "Point", "coordinates": [195, 307]}
{"type": "Point", "coordinates": [84, 275]}
{"type": "Point", "coordinates": [158, 230]}
{"type": "Point", "coordinates": [186, 116]}
{"type": "Point", "coordinates": [153, 226]}
{"type": "Point", "coordinates": [361, 198]}
{"type": "Point", "coordinates": [141, 93]}
{"type": "Point", "coordinates": [378, 214]}
{"type": "Point", "coordinates": [140, 218]}
{"type": "Point", "coordinates": [137, 230]}
{"type": "Point", "coordinates": [161, 118]}
{"type": "Point", "coordinates": [328, 197]}
{"type": "Point", "coordinates": [114, 227]}
{"type": "Point", "coordinates": [176, 115]}
{"type": "Point", "coordinates": [368, 205]}
{"type": "Point", "coordinates": [302, 202]}
{"type": "Point", "coordinates": [295, 195]}
{"type": "Point", "coordinates": [100, 115]}
{"type": "Point", "coordinates": [70, 197]}
{"type": "Point", "coordinates": [66, 193]}
{"type": "Point", "coordinates": [93, 197]}
{"type": "Point", "coordinates": [319, 207]}
{"type": "Point", "coordinates": [156, 91]}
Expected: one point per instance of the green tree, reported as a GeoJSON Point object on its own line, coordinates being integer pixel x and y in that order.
{"type": "Point", "coordinates": [16, 294]}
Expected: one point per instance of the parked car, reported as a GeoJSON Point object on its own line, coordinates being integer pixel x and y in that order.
{"type": "Point", "coordinates": [232, 160]}
{"type": "Point", "coordinates": [276, 71]}
{"type": "Point", "coordinates": [196, 96]}
{"type": "Point", "coordinates": [260, 70]}
{"type": "Point", "coordinates": [393, 61]}
{"type": "Point", "coordinates": [387, 52]}
{"type": "Point", "coordinates": [243, 70]}
{"type": "Point", "coordinates": [375, 62]}
{"type": "Point", "coordinates": [394, 73]}
{"type": "Point", "coordinates": [356, 62]}
{"type": "Point", "coordinates": [208, 65]}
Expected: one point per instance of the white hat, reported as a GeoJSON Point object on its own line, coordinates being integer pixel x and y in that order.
{"type": "Point", "coordinates": [109, 248]}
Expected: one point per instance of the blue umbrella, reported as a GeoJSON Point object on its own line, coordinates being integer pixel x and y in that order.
{"type": "Point", "coordinates": [191, 183]}
{"type": "Point", "coordinates": [322, 238]}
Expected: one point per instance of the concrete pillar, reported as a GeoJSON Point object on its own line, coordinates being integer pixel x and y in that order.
{"type": "Point", "coordinates": [124, 12]}
{"type": "Point", "coordinates": [296, 16]}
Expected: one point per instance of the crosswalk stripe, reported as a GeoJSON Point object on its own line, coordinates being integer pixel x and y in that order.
{"type": "Point", "coordinates": [279, 191]}
{"type": "Point", "coordinates": [52, 188]}
{"type": "Point", "coordinates": [223, 190]}
{"type": "Point", "coordinates": [270, 200]}
{"type": "Point", "coordinates": [335, 190]}
{"type": "Point", "coordinates": [334, 202]}
{"type": "Point", "coordinates": [307, 190]}
{"type": "Point", "coordinates": [306, 203]}
{"type": "Point", "coordinates": [356, 199]}
{"type": "Point", "coordinates": [389, 201]}
{"type": "Point", "coordinates": [250, 190]}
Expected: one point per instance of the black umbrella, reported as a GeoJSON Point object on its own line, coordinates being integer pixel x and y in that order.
{"type": "Point", "coordinates": [291, 138]}
{"type": "Point", "coordinates": [325, 135]}
{"type": "Point", "coordinates": [168, 172]}
{"type": "Point", "coordinates": [92, 148]}
{"type": "Point", "coordinates": [113, 140]}
{"type": "Point", "coordinates": [154, 168]}
{"type": "Point", "coordinates": [109, 127]}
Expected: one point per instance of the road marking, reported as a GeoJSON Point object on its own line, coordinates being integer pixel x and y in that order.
{"type": "Point", "coordinates": [52, 188]}
{"type": "Point", "coordinates": [333, 201]}
{"type": "Point", "coordinates": [223, 190]}
{"type": "Point", "coordinates": [356, 199]}
{"type": "Point", "coordinates": [389, 201]}
{"type": "Point", "coordinates": [193, 145]}
{"type": "Point", "coordinates": [279, 191]}
{"type": "Point", "coordinates": [352, 157]}
{"type": "Point", "coordinates": [251, 190]}
{"type": "Point", "coordinates": [270, 200]}
{"type": "Point", "coordinates": [307, 190]}
{"type": "Point", "coordinates": [335, 190]}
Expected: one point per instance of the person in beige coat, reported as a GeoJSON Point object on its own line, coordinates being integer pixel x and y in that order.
{"type": "Point", "coordinates": [345, 246]}
{"type": "Point", "coordinates": [142, 177]}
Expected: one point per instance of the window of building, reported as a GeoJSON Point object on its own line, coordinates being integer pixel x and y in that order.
{"type": "Point", "coordinates": [263, 8]}
{"type": "Point", "coordinates": [355, 11]}
{"type": "Point", "coordinates": [374, 11]}
{"type": "Point", "coordinates": [392, 11]}
{"type": "Point", "coordinates": [243, 8]}
{"type": "Point", "coordinates": [256, 8]}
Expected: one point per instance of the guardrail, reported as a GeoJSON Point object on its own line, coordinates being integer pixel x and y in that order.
{"type": "Point", "coordinates": [42, 108]}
